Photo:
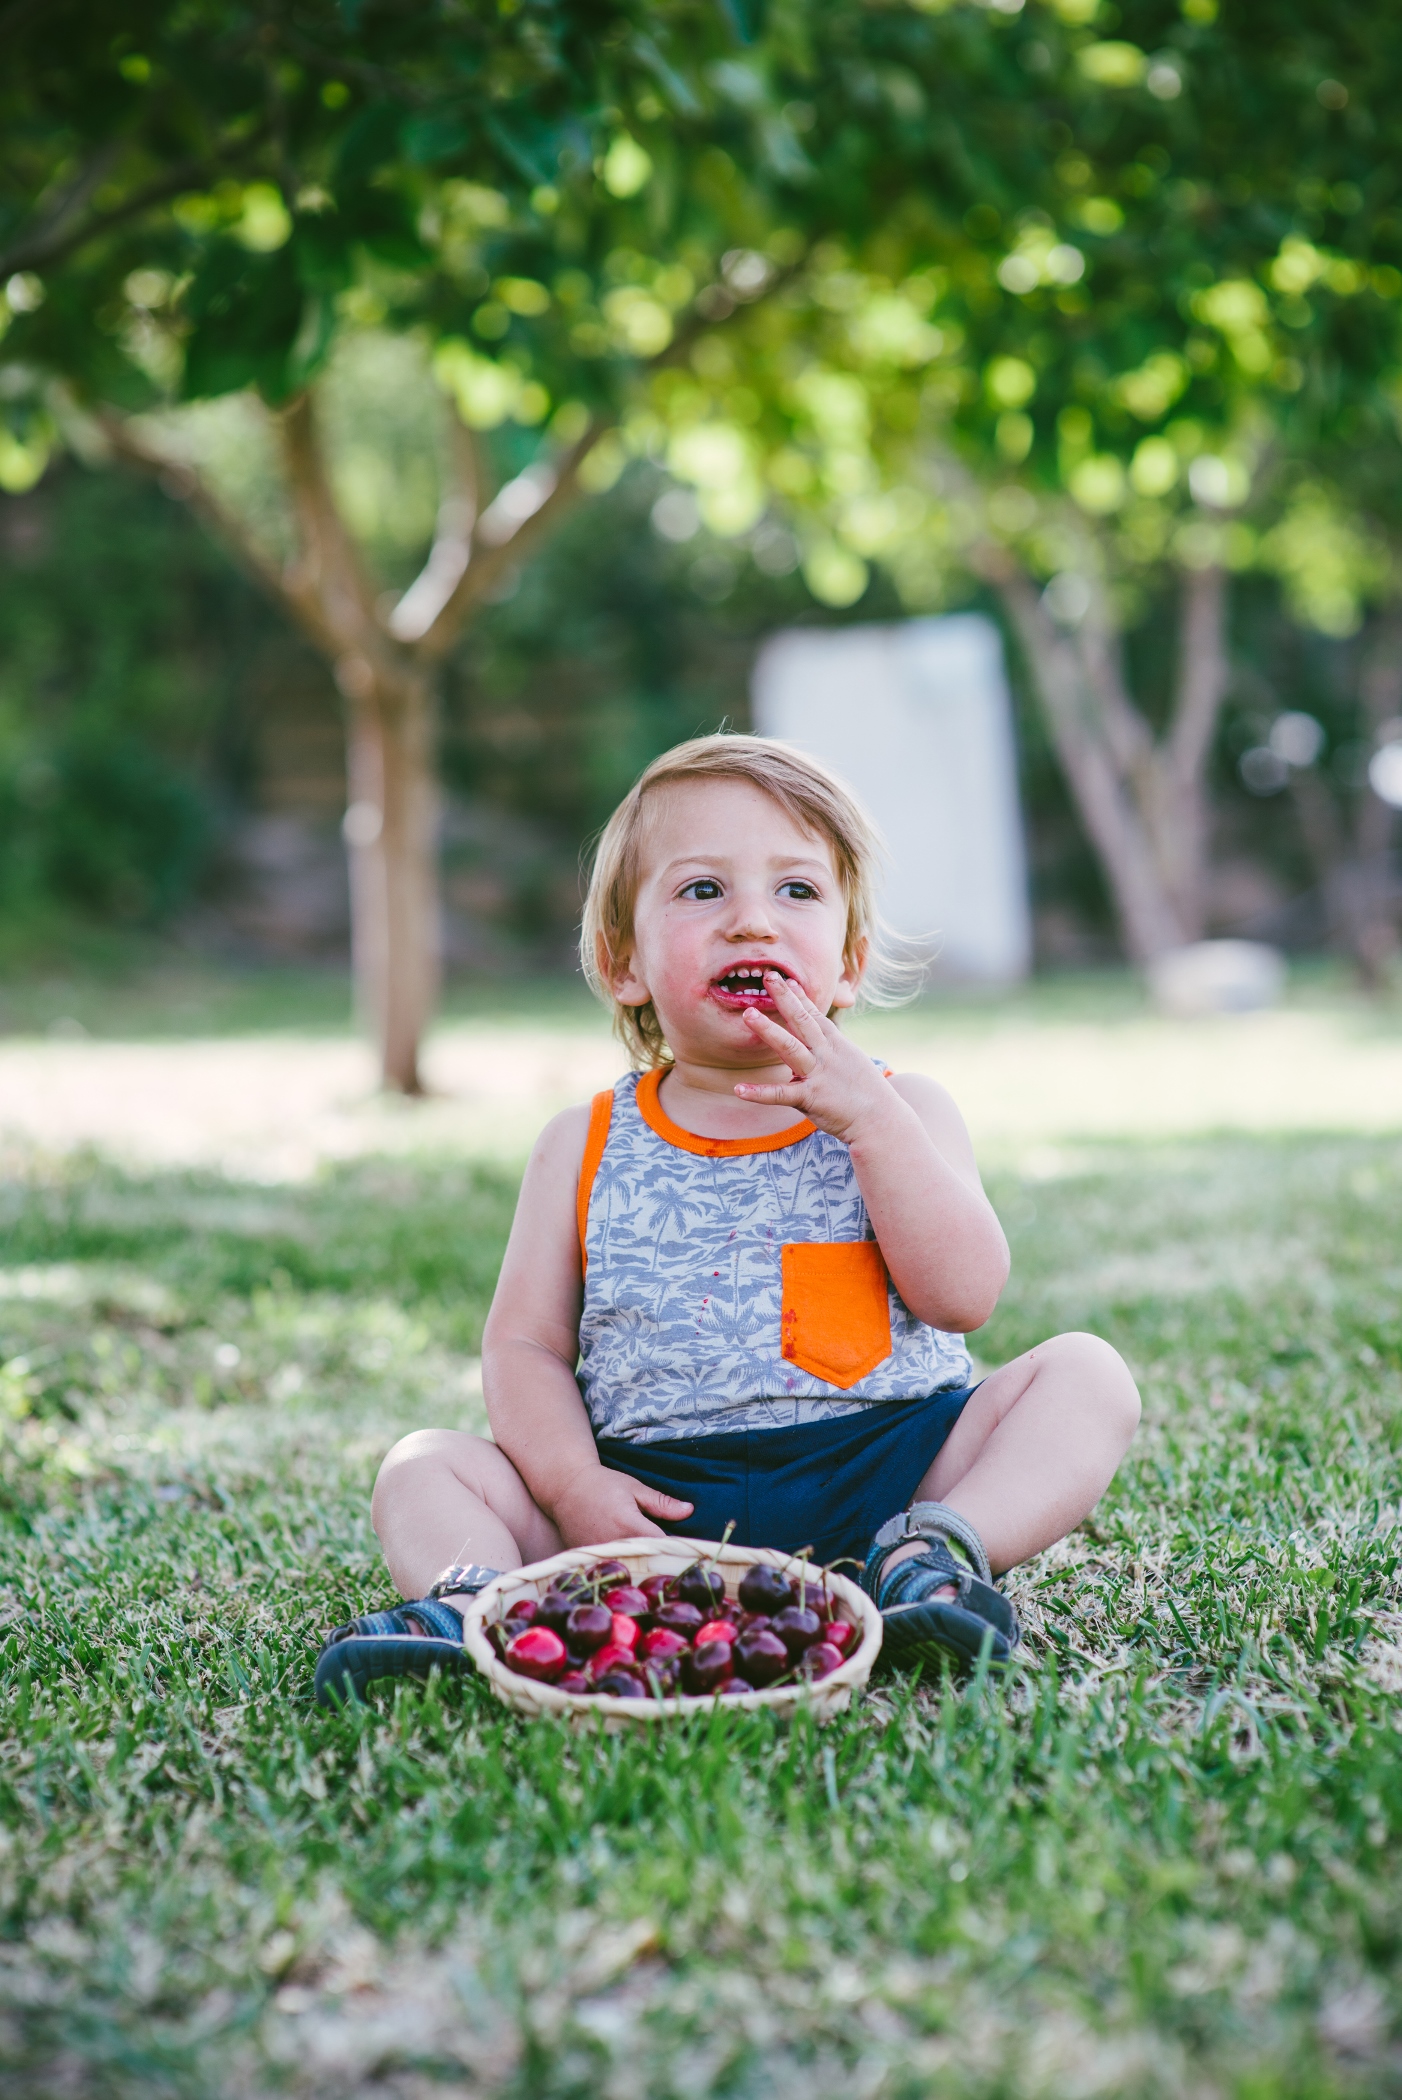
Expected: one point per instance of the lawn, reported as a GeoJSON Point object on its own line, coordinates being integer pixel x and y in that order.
{"type": "Point", "coordinates": [1161, 1860]}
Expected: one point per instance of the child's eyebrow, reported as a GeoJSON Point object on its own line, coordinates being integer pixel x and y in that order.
{"type": "Point", "coordinates": [722, 860]}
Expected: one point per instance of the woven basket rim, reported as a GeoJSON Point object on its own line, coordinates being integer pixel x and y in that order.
{"type": "Point", "coordinates": [540, 1698]}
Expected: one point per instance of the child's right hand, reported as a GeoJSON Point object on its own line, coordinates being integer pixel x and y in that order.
{"type": "Point", "coordinates": [599, 1505]}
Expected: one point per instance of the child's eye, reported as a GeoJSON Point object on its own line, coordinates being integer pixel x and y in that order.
{"type": "Point", "coordinates": [704, 890]}
{"type": "Point", "coordinates": [801, 890]}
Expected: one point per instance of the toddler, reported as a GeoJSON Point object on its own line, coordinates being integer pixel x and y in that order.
{"type": "Point", "coordinates": [737, 1285]}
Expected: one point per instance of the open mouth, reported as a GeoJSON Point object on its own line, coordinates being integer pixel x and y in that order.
{"type": "Point", "coordinates": [743, 985]}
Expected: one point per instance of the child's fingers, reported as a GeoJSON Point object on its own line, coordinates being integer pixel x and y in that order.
{"type": "Point", "coordinates": [772, 1096]}
{"type": "Point", "coordinates": [791, 1048]}
{"type": "Point", "coordinates": [659, 1505]}
{"type": "Point", "coordinates": [797, 1008]}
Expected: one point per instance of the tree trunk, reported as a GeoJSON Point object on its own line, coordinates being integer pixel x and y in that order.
{"type": "Point", "coordinates": [1143, 801]}
{"type": "Point", "coordinates": [1177, 804]}
{"type": "Point", "coordinates": [1078, 711]}
{"type": "Point", "coordinates": [391, 832]}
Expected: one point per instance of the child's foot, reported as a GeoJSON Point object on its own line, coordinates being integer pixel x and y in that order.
{"type": "Point", "coordinates": [936, 1598]}
{"type": "Point", "coordinates": [408, 1641]}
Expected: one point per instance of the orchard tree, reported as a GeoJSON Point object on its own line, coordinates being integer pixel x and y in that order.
{"type": "Point", "coordinates": [202, 200]}
{"type": "Point", "coordinates": [1138, 329]}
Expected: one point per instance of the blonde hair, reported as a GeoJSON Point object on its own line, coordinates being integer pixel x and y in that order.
{"type": "Point", "coordinates": [815, 801]}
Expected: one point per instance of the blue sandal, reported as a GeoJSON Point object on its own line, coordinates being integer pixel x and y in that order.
{"type": "Point", "coordinates": [919, 1625]}
{"type": "Point", "coordinates": [409, 1641]}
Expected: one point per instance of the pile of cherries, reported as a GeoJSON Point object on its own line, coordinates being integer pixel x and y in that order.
{"type": "Point", "coordinates": [599, 1633]}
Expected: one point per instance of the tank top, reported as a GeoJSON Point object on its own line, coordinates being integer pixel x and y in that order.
{"type": "Point", "coordinates": [735, 1283]}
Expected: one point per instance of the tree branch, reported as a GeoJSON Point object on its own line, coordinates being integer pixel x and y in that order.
{"type": "Point", "coordinates": [451, 551]}
{"type": "Point", "coordinates": [518, 516]}
{"type": "Point", "coordinates": [180, 480]}
{"type": "Point", "coordinates": [49, 243]}
{"type": "Point", "coordinates": [1203, 671]}
{"type": "Point", "coordinates": [327, 574]}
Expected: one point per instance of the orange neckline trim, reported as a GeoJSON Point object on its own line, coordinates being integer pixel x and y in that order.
{"type": "Point", "coordinates": [656, 1118]}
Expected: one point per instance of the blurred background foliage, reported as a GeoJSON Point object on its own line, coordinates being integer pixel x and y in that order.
{"type": "Point", "coordinates": [1052, 307]}
{"type": "Point", "coordinates": [131, 649]}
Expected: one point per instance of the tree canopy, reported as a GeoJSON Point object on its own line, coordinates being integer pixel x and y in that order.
{"type": "Point", "coordinates": [1083, 296]}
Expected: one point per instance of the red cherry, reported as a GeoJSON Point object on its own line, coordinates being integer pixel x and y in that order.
{"type": "Point", "coordinates": [840, 1634]}
{"type": "Point", "coordinates": [523, 1610]}
{"type": "Point", "coordinates": [609, 1574]}
{"type": "Point", "coordinates": [820, 1660]}
{"type": "Point", "coordinates": [703, 1668]}
{"type": "Point", "coordinates": [760, 1656]}
{"type": "Point", "coordinates": [573, 1681]}
{"type": "Point", "coordinates": [610, 1658]}
{"type": "Point", "coordinates": [681, 1618]}
{"type": "Point", "coordinates": [628, 1600]}
{"type": "Point", "coordinates": [797, 1629]}
{"type": "Point", "coordinates": [554, 1608]}
{"type": "Point", "coordinates": [715, 1630]}
{"type": "Point", "coordinates": [655, 1588]}
{"type": "Point", "coordinates": [661, 1642]}
{"type": "Point", "coordinates": [732, 1688]}
{"type": "Point", "coordinates": [624, 1631]}
{"type": "Point", "coordinates": [763, 1588]}
{"type": "Point", "coordinates": [536, 1652]}
{"type": "Point", "coordinates": [748, 1620]}
{"type": "Point", "coordinates": [621, 1684]}
{"type": "Point", "coordinates": [588, 1627]}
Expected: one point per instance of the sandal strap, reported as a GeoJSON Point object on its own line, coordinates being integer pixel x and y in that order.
{"type": "Point", "coordinates": [932, 1521]}
{"type": "Point", "coordinates": [463, 1579]}
{"type": "Point", "coordinates": [438, 1622]}
{"type": "Point", "coordinates": [915, 1578]}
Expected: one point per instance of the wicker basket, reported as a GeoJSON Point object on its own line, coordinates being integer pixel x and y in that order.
{"type": "Point", "coordinates": [667, 1556]}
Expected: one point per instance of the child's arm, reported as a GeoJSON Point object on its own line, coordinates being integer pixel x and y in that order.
{"type": "Point", "coordinates": [914, 1162]}
{"type": "Point", "coordinates": [530, 1349]}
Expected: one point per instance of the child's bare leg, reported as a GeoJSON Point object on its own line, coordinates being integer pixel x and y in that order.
{"type": "Point", "coordinates": [443, 1496]}
{"type": "Point", "coordinates": [1036, 1447]}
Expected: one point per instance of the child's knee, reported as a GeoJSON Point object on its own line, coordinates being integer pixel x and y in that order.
{"type": "Point", "coordinates": [404, 1465]}
{"type": "Point", "coordinates": [1104, 1375]}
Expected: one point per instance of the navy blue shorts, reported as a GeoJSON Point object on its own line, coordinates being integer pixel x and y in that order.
{"type": "Point", "coordinates": [827, 1485]}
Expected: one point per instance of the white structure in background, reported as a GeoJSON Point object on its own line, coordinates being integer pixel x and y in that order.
{"type": "Point", "coordinates": [916, 718]}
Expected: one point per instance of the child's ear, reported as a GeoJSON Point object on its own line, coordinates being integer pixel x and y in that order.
{"type": "Point", "coordinates": [849, 983]}
{"type": "Point", "coordinates": [620, 974]}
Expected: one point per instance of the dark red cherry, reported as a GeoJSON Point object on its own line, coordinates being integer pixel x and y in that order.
{"type": "Point", "coordinates": [553, 1610]}
{"type": "Point", "coordinates": [748, 1620]}
{"type": "Point", "coordinates": [760, 1656]}
{"type": "Point", "coordinates": [608, 1574]}
{"type": "Point", "coordinates": [659, 1643]}
{"type": "Point", "coordinates": [498, 1634]}
{"type": "Point", "coordinates": [655, 1588]}
{"type": "Point", "coordinates": [573, 1681]}
{"type": "Point", "coordinates": [663, 1676]}
{"type": "Point", "coordinates": [588, 1627]}
{"type": "Point", "coordinates": [536, 1652]}
{"type": "Point", "coordinates": [702, 1586]}
{"type": "Point", "coordinates": [765, 1589]}
{"type": "Point", "coordinates": [705, 1667]}
{"type": "Point", "coordinates": [678, 1618]}
{"type": "Point", "coordinates": [820, 1660]}
{"type": "Point", "coordinates": [797, 1629]}
{"type": "Point", "coordinates": [523, 1611]}
{"type": "Point", "coordinates": [573, 1583]}
{"type": "Point", "coordinates": [632, 1603]}
{"type": "Point", "coordinates": [733, 1688]}
{"type": "Point", "coordinates": [621, 1684]}
{"type": "Point", "coordinates": [840, 1634]}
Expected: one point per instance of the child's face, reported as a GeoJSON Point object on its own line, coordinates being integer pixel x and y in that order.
{"type": "Point", "coordinates": [731, 887]}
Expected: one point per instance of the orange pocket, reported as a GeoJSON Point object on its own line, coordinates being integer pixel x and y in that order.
{"type": "Point", "coordinates": [836, 1321]}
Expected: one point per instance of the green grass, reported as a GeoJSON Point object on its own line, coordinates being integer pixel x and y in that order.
{"type": "Point", "coordinates": [1161, 1861]}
